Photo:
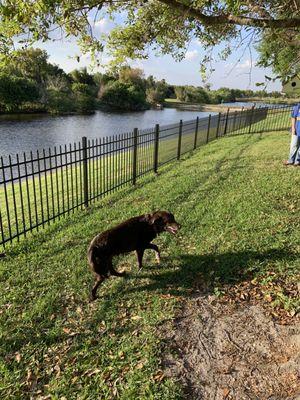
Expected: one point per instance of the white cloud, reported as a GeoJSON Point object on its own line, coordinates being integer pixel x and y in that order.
{"type": "Point", "coordinates": [196, 42]}
{"type": "Point", "coordinates": [191, 55]}
{"type": "Point", "coordinates": [103, 25]}
{"type": "Point", "coordinates": [238, 66]}
{"type": "Point", "coordinates": [246, 64]}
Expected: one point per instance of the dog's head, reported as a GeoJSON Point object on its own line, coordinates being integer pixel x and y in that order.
{"type": "Point", "coordinates": [163, 221]}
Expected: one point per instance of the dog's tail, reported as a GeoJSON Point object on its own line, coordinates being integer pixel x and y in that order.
{"type": "Point", "coordinates": [92, 257]}
{"type": "Point", "coordinates": [96, 257]}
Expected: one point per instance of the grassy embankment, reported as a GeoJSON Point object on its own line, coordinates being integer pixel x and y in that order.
{"type": "Point", "coordinates": [52, 194]}
{"type": "Point", "coordinates": [238, 207]}
{"type": "Point", "coordinates": [270, 100]}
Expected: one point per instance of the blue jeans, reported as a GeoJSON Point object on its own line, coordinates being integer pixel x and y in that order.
{"type": "Point", "coordinates": [294, 157]}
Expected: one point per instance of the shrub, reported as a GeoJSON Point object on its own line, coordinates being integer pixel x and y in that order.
{"type": "Point", "coordinates": [124, 97]}
{"type": "Point", "coordinates": [59, 102]}
{"type": "Point", "coordinates": [84, 103]}
{"type": "Point", "coordinates": [14, 91]}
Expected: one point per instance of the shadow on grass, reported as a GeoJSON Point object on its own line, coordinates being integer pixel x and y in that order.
{"type": "Point", "coordinates": [193, 272]}
{"type": "Point", "coordinates": [177, 276]}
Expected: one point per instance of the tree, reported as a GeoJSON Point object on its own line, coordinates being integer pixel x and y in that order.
{"type": "Point", "coordinates": [165, 25]}
{"type": "Point", "coordinates": [82, 76]}
{"type": "Point", "coordinates": [132, 76]}
{"type": "Point", "coordinates": [122, 96]}
{"type": "Point", "coordinates": [155, 95]}
{"type": "Point", "coordinates": [196, 95]}
{"type": "Point", "coordinates": [14, 91]}
{"type": "Point", "coordinates": [30, 63]}
{"type": "Point", "coordinates": [84, 97]}
{"type": "Point", "coordinates": [281, 52]}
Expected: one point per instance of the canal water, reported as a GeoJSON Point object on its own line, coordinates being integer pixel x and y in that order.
{"type": "Point", "coordinates": [19, 133]}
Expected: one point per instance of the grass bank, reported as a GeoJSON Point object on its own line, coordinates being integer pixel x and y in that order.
{"type": "Point", "coordinates": [269, 100]}
{"type": "Point", "coordinates": [238, 208]}
{"type": "Point", "coordinates": [38, 200]}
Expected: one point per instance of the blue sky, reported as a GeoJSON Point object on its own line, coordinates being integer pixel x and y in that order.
{"type": "Point", "coordinates": [233, 73]}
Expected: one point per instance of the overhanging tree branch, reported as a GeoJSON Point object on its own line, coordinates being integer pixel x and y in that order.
{"type": "Point", "coordinates": [230, 19]}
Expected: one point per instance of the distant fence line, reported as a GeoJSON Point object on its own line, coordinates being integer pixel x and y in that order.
{"type": "Point", "coordinates": [39, 187]}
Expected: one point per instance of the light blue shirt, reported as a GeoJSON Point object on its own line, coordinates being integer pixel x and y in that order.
{"type": "Point", "coordinates": [295, 114]}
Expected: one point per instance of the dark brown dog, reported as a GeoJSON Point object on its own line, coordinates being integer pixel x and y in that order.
{"type": "Point", "coordinates": [134, 234]}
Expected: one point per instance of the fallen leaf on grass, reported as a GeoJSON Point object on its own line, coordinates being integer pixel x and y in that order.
{"type": "Point", "coordinates": [31, 380]}
{"type": "Point", "coordinates": [292, 313]}
{"type": "Point", "coordinates": [169, 296]}
{"type": "Point", "coordinates": [69, 332]}
{"type": "Point", "coordinates": [159, 376]}
{"type": "Point", "coordinates": [136, 317]}
{"type": "Point", "coordinates": [244, 296]}
{"type": "Point", "coordinates": [57, 369]}
{"type": "Point", "coordinates": [268, 297]}
{"type": "Point", "coordinates": [91, 372]}
{"type": "Point", "coordinates": [140, 365]}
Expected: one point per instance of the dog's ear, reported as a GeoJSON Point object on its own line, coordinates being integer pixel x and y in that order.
{"type": "Point", "coordinates": [156, 220]}
{"type": "Point", "coordinates": [148, 217]}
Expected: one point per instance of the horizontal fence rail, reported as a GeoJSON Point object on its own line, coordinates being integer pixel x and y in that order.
{"type": "Point", "coordinates": [39, 187]}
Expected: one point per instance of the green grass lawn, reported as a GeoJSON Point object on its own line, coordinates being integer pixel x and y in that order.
{"type": "Point", "coordinates": [239, 210]}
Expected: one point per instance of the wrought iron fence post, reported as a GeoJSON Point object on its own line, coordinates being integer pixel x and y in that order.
{"type": "Point", "coordinates": [226, 122]}
{"type": "Point", "coordinates": [218, 126]}
{"type": "Point", "coordinates": [179, 140]}
{"type": "Point", "coordinates": [251, 118]}
{"type": "Point", "coordinates": [85, 172]}
{"type": "Point", "coordinates": [234, 120]}
{"type": "Point", "coordinates": [2, 236]}
{"type": "Point", "coordinates": [208, 128]}
{"type": "Point", "coordinates": [134, 155]}
{"type": "Point", "coordinates": [241, 118]}
{"type": "Point", "coordinates": [196, 132]}
{"type": "Point", "coordinates": [156, 142]}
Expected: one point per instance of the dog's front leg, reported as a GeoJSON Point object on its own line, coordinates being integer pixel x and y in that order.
{"type": "Point", "coordinates": [140, 253]}
{"type": "Point", "coordinates": [156, 249]}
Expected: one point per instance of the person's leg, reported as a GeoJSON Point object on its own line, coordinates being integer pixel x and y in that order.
{"type": "Point", "coordinates": [297, 156]}
{"type": "Point", "coordinates": [294, 147]}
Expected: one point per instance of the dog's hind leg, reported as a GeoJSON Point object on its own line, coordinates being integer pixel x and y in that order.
{"type": "Point", "coordinates": [99, 280]}
{"type": "Point", "coordinates": [114, 272]}
{"type": "Point", "coordinates": [139, 254]}
{"type": "Point", "coordinates": [156, 249]}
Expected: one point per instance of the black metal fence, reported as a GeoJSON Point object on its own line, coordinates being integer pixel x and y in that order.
{"type": "Point", "coordinates": [39, 187]}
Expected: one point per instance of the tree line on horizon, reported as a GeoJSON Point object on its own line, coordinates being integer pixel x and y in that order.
{"type": "Point", "coordinates": [30, 83]}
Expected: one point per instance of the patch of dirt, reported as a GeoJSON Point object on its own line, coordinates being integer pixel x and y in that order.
{"type": "Point", "coordinates": [232, 351]}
